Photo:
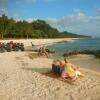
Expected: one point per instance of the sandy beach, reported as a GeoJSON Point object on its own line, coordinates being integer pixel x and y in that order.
{"type": "Point", "coordinates": [27, 42]}
{"type": "Point", "coordinates": [22, 77]}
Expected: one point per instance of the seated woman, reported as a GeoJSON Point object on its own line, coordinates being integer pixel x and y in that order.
{"type": "Point", "coordinates": [62, 70]}
{"type": "Point", "coordinates": [43, 52]}
{"type": "Point", "coordinates": [71, 71]}
{"type": "Point", "coordinates": [66, 70]}
{"type": "Point", "coordinates": [56, 67]}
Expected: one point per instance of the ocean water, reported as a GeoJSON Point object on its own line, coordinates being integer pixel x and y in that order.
{"type": "Point", "coordinates": [77, 45]}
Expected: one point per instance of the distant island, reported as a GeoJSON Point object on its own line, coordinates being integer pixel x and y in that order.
{"type": "Point", "coordinates": [10, 28]}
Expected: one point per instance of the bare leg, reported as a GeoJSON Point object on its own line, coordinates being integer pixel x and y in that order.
{"type": "Point", "coordinates": [46, 54]}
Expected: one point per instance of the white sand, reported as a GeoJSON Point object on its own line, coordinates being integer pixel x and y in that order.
{"type": "Point", "coordinates": [21, 78]}
{"type": "Point", "coordinates": [27, 42]}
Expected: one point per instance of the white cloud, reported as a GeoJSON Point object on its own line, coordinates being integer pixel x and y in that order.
{"type": "Point", "coordinates": [3, 6]}
{"type": "Point", "coordinates": [3, 11]}
{"type": "Point", "coordinates": [78, 22]}
{"type": "Point", "coordinates": [30, 19]}
{"type": "Point", "coordinates": [67, 21]}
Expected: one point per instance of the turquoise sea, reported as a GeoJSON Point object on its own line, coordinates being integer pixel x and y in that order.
{"type": "Point", "coordinates": [77, 45]}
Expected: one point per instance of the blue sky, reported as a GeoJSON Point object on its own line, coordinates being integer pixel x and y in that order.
{"type": "Point", "coordinates": [78, 16]}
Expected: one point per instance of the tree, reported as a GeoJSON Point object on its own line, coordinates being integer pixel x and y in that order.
{"type": "Point", "coordinates": [19, 27]}
{"type": "Point", "coordinates": [10, 28]}
{"type": "Point", "coordinates": [27, 29]}
{"type": "Point", "coordinates": [4, 24]}
{"type": "Point", "coordinates": [12, 32]}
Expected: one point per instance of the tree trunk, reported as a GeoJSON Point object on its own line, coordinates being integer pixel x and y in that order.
{"type": "Point", "coordinates": [27, 36]}
{"type": "Point", "coordinates": [2, 36]}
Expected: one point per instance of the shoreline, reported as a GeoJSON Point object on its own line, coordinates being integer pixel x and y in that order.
{"type": "Point", "coordinates": [41, 41]}
{"type": "Point", "coordinates": [95, 53]}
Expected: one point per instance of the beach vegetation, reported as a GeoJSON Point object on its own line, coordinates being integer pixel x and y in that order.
{"type": "Point", "coordinates": [10, 28]}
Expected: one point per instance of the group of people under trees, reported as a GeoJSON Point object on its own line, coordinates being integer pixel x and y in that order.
{"type": "Point", "coordinates": [66, 70]}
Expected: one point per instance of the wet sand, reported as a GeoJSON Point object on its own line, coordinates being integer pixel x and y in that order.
{"type": "Point", "coordinates": [86, 61]}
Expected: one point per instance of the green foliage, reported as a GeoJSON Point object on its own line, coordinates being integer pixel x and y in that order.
{"type": "Point", "coordinates": [4, 25]}
{"type": "Point", "coordinates": [9, 28]}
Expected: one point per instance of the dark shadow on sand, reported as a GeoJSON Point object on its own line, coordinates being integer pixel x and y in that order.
{"type": "Point", "coordinates": [48, 72]}
{"type": "Point", "coordinates": [44, 71]}
{"type": "Point", "coordinates": [32, 55]}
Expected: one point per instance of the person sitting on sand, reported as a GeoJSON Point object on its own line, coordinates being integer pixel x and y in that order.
{"type": "Point", "coordinates": [61, 65]}
{"type": "Point", "coordinates": [56, 67]}
{"type": "Point", "coordinates": [63, 73]}
{"type": "Point", "coordinates": [66, 70]}
{"type": "Point", "coordinates": [40, 51]}
{"type": "Point", "coordinates": [43, 52]}
{"type": "Point", "coordinates": [71, 70]}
